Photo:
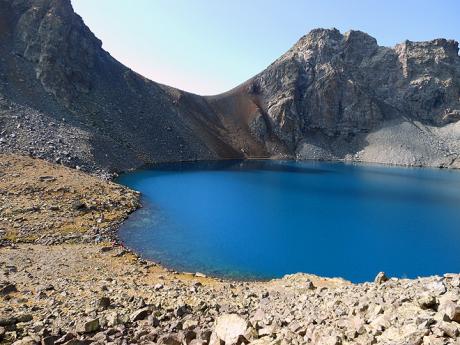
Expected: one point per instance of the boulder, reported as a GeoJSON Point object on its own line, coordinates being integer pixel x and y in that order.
{"type": "Point", "coordinates": [427, 301]}
{"type": "Point", "coordinates": [265, 341]}
{"type": "Point", "coordinates": [8, 321]}
{"type": "Point", "coordinates": [140, 314]}
{"type": "Point", "coordinates": [437, 287]}
{"type": "Point", "coordinates": [28, 341]}
{"type": "Point", "coordinates": [449, 311]}
{"type": "Point", "coordinates": [153, 321]}
{"type": "Point", "coordinates": [89, 326]}
{"type": "Point", "coordinates": [183, 310]}
{"type": "Point", "coordinates": [356, 324]}
{"type": "Point", "coordinates": [170, 339]}
{"type": "Point", "coordinates": [380, 278]}
{"type": "Point", "coordinates": [104, 302]}
{"type": "Point", "coordinates": [7, 288]}
{"type": "Point", "coordinates": [198, 342]}
{"type": "Point", "coordinates": [112, 319]}
{"type": "Point", "coordinates": [231, 329]}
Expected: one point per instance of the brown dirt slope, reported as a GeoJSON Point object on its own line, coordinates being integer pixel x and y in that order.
{"type": "Point", "coordinates": [43, 201]}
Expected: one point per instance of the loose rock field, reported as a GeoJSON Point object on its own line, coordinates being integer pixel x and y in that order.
{"type": "Point", "coordinates": [64, 288]}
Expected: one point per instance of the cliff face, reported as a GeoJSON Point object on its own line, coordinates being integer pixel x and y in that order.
{"type": "Point", "coordinates": [327, 93]}
{"type": "Point", "coordinates": [331, 96]}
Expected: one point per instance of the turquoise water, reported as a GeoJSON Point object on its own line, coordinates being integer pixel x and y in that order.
{"type": "Point", "coordinates": [264, 219]}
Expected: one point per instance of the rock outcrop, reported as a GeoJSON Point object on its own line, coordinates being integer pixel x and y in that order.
{"type": "Point", "coordinates": [331, 96]}
{"type": "Point", "coordinates": [335, 96]}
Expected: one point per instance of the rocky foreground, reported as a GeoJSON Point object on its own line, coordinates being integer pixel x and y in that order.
{"type": "Point", "coordinates": [65, 280]}
{"type": "Point", "coordinates": [82, 294]}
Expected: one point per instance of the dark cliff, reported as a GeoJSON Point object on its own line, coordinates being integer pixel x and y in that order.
{"type": "Point", "coordinates": [64, 98]}
{"type": "Point", "coordinates": [331, 96]}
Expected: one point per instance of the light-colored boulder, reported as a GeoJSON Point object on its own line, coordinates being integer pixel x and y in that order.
{"type": "Point", "coordinates": [380, 278]}
{"type": "Point", "coordinates": [231, 328]}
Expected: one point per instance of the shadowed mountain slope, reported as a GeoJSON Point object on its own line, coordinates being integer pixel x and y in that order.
{"type": "Point", "coordinates": [331, 96]}
{"type": "Point", "coordinates": [64, 98]}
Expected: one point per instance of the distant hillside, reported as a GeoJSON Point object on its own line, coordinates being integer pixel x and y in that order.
{"type": "Point", "coordinates": [331, 96]}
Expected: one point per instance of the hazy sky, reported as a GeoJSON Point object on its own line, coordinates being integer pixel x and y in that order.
{"type": "Point", "coordinates": [210, 46]}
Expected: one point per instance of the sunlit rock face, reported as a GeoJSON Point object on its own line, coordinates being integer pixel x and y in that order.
{"type": "Point", "coordinates": [331, 88]}
{"type": "Point", "coordinates": [331, 96]}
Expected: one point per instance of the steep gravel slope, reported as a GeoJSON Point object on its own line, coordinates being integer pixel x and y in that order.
{"type": "Point", "coordinates": [62, 97]}
{"type": "Point", "coordinates": [331, 96]}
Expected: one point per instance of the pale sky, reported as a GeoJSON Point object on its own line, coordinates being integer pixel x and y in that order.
{"type": "Point", "coordinates": [210, 46]}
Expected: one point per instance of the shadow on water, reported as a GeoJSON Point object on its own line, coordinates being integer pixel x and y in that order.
{"type": "Point", "coordinates": [374, 193]}
{"type": "Point", "coordinates": [237, 166]}
{"type": "Point", "coordinates": [309, 167]}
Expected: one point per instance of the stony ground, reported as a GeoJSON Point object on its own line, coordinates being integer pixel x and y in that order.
{"type": "Point", "coordinates": [49, 203]}
{"type": "Point", "coordinates": [85, 293]}
{"type": "Point", "coordinates": [61, 289]}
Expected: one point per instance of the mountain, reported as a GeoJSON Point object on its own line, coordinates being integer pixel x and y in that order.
{"type": "Point", "coordinates": [334, 96]}
{"type": "Point", "coordinates": [62, 97]}
{"type": "Point", "coordinates": [331, 96]}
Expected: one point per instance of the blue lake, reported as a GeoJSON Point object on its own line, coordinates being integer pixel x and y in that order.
{"type": "Point", "coordinates": [264, 219]}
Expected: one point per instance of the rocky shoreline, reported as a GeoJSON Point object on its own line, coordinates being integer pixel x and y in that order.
{"type": "Point", "coordinates": [78, 286]}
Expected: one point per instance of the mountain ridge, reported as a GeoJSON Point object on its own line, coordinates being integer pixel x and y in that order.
{"type": "Point", "coordinates": [331, 96]}
{"type": "Point", "coordinates": [330, 87]}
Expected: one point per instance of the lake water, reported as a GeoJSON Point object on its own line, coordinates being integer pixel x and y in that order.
{"type": "Point", "coordinates": [264, 219]}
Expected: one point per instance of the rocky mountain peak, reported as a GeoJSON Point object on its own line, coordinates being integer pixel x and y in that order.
{"type": "Point", "coordinates": [317, 40]}
{"type": "Point", "coordinates": [322, 46]}
{"type": "Point", "coordinates": [334, 88]}
{"type": "Point", "coordinates": [322, 99]}
{"type": "Point", "coordinates": [358, 45]}
{"type": "Point", "coordinates": [64, 51]}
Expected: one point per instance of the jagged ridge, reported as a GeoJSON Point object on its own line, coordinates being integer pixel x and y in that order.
{"type": "Point", "coordinates": [326, 94]}
{"type": "Point", "coordinates": [331, 96]}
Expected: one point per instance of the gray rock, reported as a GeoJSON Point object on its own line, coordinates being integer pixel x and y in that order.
{"type": "Point", "coordinates": [183, 310]}
{"type": "Point", "coordinates": [231, 328]}
{"type": "Point", "coordinates": [380, 278]}
{"type": "Point", "coordinates": [89, 326]}
{"type": "Point", "coordinates": [140, 314]}
{"type": "Point", "coordinates": [104, 302]}
{"type": "Point", "coordinates": [8, 321]}
{"type": "Point", "coordinates": [28, 341]}
{"type": "Point", "coordinates": [7, 288]}
{"type": "Point", "coordinates": [153, 321]}
{"type": "Point", "coordinates": [171, 339]}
